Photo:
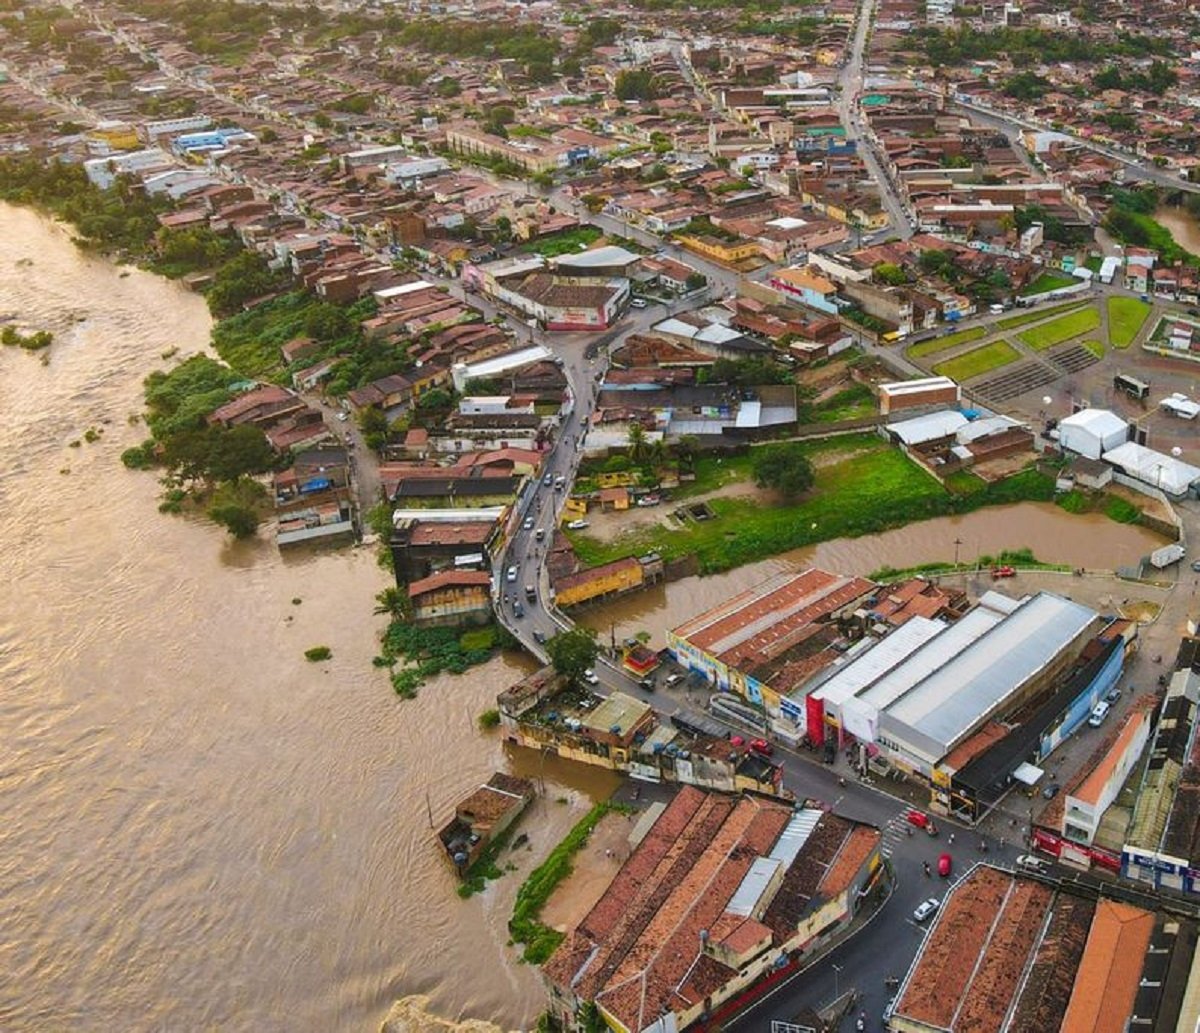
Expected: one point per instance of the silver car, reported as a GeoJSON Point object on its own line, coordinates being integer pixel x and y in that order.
{"type": "Point", "coordinates": [925, 909]}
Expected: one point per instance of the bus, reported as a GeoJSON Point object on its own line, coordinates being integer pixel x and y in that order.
{"type": "Point", "coordinates": [1131, 386]}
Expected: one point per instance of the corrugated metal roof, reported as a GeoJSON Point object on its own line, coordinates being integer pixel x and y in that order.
{"type": "Point", "coordinates": [794, 835]}
{"type": "Point", "coordinates": [882, 657]}
{"type": "Point", "coordinates": [954, 698]}
{"type": "Point", "coordinates": [928, 428]}
{"type": "Point", "coordinates": [749, 892]}
{"type": "Point", "coordinates": [929, 657]}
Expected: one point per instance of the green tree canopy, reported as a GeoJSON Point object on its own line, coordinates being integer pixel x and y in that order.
{"type": "Point", "coordinates": [573, 652]}
{"type": "Point", "coordinates": [785, 468]}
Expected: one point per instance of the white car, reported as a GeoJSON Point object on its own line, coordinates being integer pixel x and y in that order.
{"type": "Point", "coordinates": [343, 416]}
{"type": "Point", "coordinates": [511, 575]}
{"type": "Point", "coordinates": [925, 909]}
{"type": "Point", "coordinates": [589, 676]}
{"type": "Point", "coordinates": [1035, 864]}
{"type": "Point", "coordinates": [528, 524]}
{"type": "Point", "coordinates": [577, 525]}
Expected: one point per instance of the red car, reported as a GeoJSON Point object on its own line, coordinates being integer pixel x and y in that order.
{"type": "Point", "coordinates": [999, 572]}
{"type": "Point", "coordinates": [762, 746]}
{"type": "Point", "coordinates": [736, 740]}
{"type": "Point", "coordinates": [944, 865]}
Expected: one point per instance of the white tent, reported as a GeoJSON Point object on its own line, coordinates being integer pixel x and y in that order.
{"type": "Point", "coordinates": [1168, 474]}
{"type": "Point", "coordinates": [1092, 432]}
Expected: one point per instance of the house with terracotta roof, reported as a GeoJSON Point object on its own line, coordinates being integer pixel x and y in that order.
{"type": "Point", "coordinates": [718, 893]}
{"type": "Point", "coordinates": [452, 597]}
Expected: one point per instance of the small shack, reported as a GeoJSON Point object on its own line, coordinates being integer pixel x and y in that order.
{"type": "Point", "coordinates": [483, 816]}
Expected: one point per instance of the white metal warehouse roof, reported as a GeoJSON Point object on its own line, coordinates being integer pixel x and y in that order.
{"type": "Point", "coordinates": [952, 700]}
{"type": "Point", "coordinates": [1163, 471]}
{"type": "Point", "coordinates": [931, 427]}
{"type": "Point", "coordinates": [882, 657]}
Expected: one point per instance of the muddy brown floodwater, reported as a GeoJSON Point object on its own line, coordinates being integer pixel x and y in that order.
{"type": "Point", "coordinates": [201, 829]}
{"type": "Point", "coordinates": [1183, 226]}
{"type": "Point", "coordinates": [1055, 536]}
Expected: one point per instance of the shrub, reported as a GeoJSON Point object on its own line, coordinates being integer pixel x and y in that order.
{"type": "Point", "coordinates": [317, 654]}
{"type": "Point", "coordinates": [489, 719]}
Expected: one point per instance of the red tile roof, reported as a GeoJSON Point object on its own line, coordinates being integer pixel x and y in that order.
{"type": "Point", "coordinates": [450, 579]}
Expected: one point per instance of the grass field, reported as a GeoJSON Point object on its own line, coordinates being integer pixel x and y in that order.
{"type": "Point", "coordinates": [1125, 319]}
{"type": "Point", "coordinates": [1012, 322]}
{"type": "Point", "coordinates": [850, 403]}
{"type": "Point", "coordinates": [940, 344]}
{"type": "Point", "coordinates": [870, 487]}
{"type": "Point", "coordinates": [568, 242]}
{"type": "Point", "coordinates": [977, 361]}
{"type": "Point", "coordinates": [1095, 347]}
{"type": "Point", "coordinates": [1047, 335]}
{"type": "Point", "coordinates": [1048, 281]}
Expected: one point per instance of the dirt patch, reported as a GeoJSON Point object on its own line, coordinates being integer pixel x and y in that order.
{"type": "Point", "coordinates": [607, 526]}
{"type": "Point", "coordinates": [594, 867]}
{"type": "Point", "coordinates": [833, 456]}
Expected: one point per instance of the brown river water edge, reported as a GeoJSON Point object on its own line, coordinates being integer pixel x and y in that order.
{"type": "Point", "coordinates": [202, 829]}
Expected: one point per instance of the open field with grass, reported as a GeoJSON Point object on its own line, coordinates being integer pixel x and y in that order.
{"type": "Point", "coordinates": [977, 361]}
{"type": "Point", "coordinates": [1047, 335]}
{"type": "Point", "coordinates": [940, 344]}
{"type": "Point", "coordinates": [566, 243]}
{"type": "Point", "coordinates": [1012, 322]}
{"type": "Point", "coordinates": [862, 486]}
{"type": "Point", "coordinates": [1048, 281]}
{"type": "Point", "coordinates": [1125, 319]}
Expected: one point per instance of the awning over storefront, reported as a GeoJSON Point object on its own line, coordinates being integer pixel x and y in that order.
{"type": "Point", "coordinates": [1028, 773]}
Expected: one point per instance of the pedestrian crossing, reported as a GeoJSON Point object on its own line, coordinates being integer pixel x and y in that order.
{"type": "Point", "coordinates": [893, 832]}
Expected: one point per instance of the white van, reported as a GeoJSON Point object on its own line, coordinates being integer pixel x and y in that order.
{"type": "Point", "coordinates": [1099, 713]}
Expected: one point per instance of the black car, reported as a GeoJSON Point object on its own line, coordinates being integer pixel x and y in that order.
{"type": "Point", "coordinates": [1050, 791]}
{"type": "Point", "coordinates": [1112, 696]}
{"type": "Point", "coordinates": [647, 684]}
{"type": "Point", "coordinates": [539, 638]}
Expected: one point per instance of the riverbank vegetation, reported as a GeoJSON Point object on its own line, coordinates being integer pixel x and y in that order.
{"type": "Point", "coordinates": [413, 654]}
{"type": "Point", "coordinates": [204, 466]}
{"type": "Point", "coordinates": [1130, 220]}
{"type": "Point", "coordinates": [861, 486]}
{"type": "Point", "coordinates": [540, 941]}
{"type": "Point", "coordinates": [1019, 559]}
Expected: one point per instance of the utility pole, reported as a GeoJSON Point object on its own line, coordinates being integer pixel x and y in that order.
{"type": "Point", "coordinates": [957, 543]}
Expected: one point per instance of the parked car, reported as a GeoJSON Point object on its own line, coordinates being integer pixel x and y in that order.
{"type": "Point", "coordinates": [1051, 791]}
{"type": "Point", "coordinates": [945, 865]}
{"type": "Point", "coordinates": [926, 908]}
{"type": "Point", "coordinates": [343, 416]}
{"type": "Point", "coordinates": [648, 500]}
{"type": "Point", "coordinates": [638, 303]}
{"type": "Point", "coordinates": [577, 525]}
{"type": "Point", "coordinates": [999, 572]}
{"type": "Point", "coordinates": [673, 680]}
{"type": "Point", "coordinates": [1099, 713]}
{"type": "Point", "coordinates": [1196, 566]}
{"type": "Point", "coordinates": [1112, 696]}
{"type": "Point", "coordinates": [647, 683]}
{"type": "Point", "coordinates": [1034, 864]}
{"type": "Point", "coordinates": [589, 676]}
{"type": "Point", "coordinates": [762, 746]}
{"type": "Point", "coordinates": [511, 574]}
{"type": "Point", "coordinates": [737, 740]}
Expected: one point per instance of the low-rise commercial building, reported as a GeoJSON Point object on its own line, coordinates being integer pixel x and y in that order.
{"type": "Point", "coordinates": [719, 893]}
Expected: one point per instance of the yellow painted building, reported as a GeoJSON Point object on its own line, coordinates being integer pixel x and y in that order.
{"type": "Point", "coordinates": [725, 252]}
{"type": "Point", "coordinates": [597, 582]}
{"type": "Point", "coordinates": [117, 136]}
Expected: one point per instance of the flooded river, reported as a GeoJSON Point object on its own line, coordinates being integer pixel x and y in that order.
{"type": "Point", "coordinates": [201, 829]}
{"type": "Point", "coordinates": [1183, 226]}
{"type": "Point", "coordinates": [1055, 536]}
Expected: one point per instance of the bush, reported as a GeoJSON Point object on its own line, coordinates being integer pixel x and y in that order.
{"type": "Point", "coordinates": [317, 654]}
{"type": "Point", "coordinates": [1121, 510]}
{"type": "Point", "coordinates": [489, 719]}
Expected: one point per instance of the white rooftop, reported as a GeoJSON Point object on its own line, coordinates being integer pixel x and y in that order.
{"type": "Point", "coordinates": [1181, 405]}
{"type": "Point", "coordinates": [908, 387]}
{"type": "Point", "coordinates": [1100, 422]}
{"type": "Point", "coordinates": [610, 254]}
{"type": "Point", "coordinates": [1164, 472]}
{"type": "Point", "coordinates": [875, 662]}
{"type": "Point", "coordinates": [930, 427]}
{"type": "Point", "coordinates": [502, 363]}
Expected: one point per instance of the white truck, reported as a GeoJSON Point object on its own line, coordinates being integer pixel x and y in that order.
{"type": "Point", "coordinates": [1167, 555]}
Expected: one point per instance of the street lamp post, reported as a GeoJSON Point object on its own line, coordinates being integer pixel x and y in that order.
{"type": "Point", "coordinates": [837, 971]}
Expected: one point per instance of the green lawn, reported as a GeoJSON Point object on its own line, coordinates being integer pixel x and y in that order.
{"type": "Point", "coordinates": [1094, 263]}
{"type": "Point", "coordinates": [977, 361]}
{"type": "Point", "coordinates": [851, 403]}
{"type": "Point", "coordinates": [873, 488]}
{"type": "Point", "coordinates": [1048, 281]}
{"type": "Point", "coordinates": [566, 243]}
{"type": "Point", "coordinates": [1047, 335]}
{"type": "Point", "coordinates": [1012, 322]}
{"type": "Point", "coordinates": [1125, 319]}
{"type": "Point", "coordinates": [939, 344]}
{"type": "Point", "coordinates": [1095, 347]}
{"type": "Point", "coordinates": [713, 473]}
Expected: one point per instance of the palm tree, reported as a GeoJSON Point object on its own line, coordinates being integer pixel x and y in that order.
{"type": "Point", "coordinates": [637, 442]}
{"type": "Point", "coordinates": [393, 603]}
